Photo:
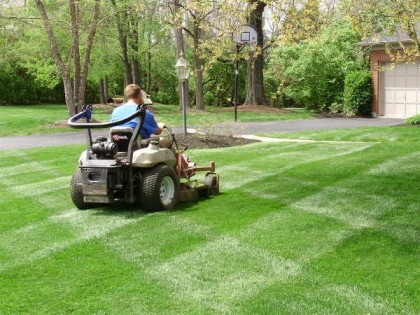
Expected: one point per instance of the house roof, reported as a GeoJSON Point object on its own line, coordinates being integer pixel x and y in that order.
{"type": "Point", "coordinates": [399, 36]}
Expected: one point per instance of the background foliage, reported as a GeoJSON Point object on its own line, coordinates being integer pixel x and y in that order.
{"type": "Point", "coordinates": [309, 48]}
{"type": "Point", "coordinates": [358, 93]}
{"type": "Point", "coordinates": [312, 72]}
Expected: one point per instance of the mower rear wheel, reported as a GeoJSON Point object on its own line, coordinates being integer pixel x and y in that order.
{"type": "Point", "coordinates": [159, 188]}
{"type": "Point", "coordinates": [76, 190]}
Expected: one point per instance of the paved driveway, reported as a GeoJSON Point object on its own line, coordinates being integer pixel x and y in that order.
{"type": "Point", "coordinates": [309, 124]}
{"type": "Point", "coordinates": [68, 138]}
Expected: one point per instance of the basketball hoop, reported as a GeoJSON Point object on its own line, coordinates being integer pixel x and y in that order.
{"type": "Point", "coordinates": [245, 35]}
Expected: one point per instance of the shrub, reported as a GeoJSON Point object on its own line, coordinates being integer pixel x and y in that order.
{"type": "Point", "coordinates": [17, 86]}
{"type": "Point", "coordinates": [357, 93]}
{"type": "Point", "coordinates": [336, 108]}
{"type": "Point", "coordinates": [312, 73]}
{"type": "Point", "coordinates": [164, 97]}
{"type": "Point", "coordinates": [413, 120]}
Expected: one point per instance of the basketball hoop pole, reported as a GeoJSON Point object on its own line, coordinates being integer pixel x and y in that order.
{"type": "Point", "coordinates": [245, 35]}
{"type": "Point", "coordinates": [238, 49]}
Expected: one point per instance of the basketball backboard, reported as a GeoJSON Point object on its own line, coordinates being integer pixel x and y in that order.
{"type": "Point", "coordinates": [246, 35]}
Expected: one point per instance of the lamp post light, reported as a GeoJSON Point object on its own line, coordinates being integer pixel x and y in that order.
{"type": "Point", "coordinates": [183, 72]}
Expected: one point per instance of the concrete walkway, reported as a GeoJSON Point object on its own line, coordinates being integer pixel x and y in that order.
{"type": "Point", "coordinates": [236, 129]}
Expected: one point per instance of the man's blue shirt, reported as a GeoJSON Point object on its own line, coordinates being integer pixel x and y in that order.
{"type": "Point", "coordinates": [150, 125]}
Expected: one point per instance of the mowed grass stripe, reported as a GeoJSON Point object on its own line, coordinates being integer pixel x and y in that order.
{"type": "Point", "coordinates": [220, 284]}
{"type": "Point", "coordinates": [35, 187]}
{"type": "Point", "coordinates": [398, 165]}
{"type": "Point", "coordinates": [311, 236]}
{"type": "Point", "coordinates": [30, 166]}
{"type": "Point", "coordinates": [361, 211]}
{"type": "Point", "coordinates": [29, 210]}
{"type": "Point", "coordinates": [52, 193]}
{"type": "Point", "coordinates": [40, 188]}
{"type": "Point", "coordinates": [56, 233]}
{"type": "Point", "coordinates": [310, 294]}
{"type": "Point", "coordinates": [361, 299]}
{"type": "Point", "coordinates": [290, 160]}
{"type": "Point", "coordinates": [137, 243]}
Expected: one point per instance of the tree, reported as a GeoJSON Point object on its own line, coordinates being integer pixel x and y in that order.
{"type": "Point", "coordinates": [310, 20]}
{"type": "Point", "coordinates": [312, 72]}
{"type": "Point", "coordinates": [127, 20]}
{"type": "Point", "coordinates": [209, 25]}
{"type": "Point", "coordinates": [74, 74]}
{"type": "Point", "coordinates": [376, 19]}
{"type": "Point", "coordinates": [179, 44]}
{"type": "Point", "coordinates": [255, 63]}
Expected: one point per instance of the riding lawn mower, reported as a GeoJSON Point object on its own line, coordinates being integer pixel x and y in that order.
{"type": "Point", "coordinates": [124, 168]}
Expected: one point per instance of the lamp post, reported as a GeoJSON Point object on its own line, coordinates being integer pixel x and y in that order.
{"type": "Point", "coordinates": [183, 72]}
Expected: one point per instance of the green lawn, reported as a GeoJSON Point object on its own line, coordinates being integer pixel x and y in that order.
{"type": "Point", "coordinates": [366, 134]}
{"type": "Point", "coordinates": [300, 228]}
{"type": "Point", "coordinates": [27, 120]}
{"type": "Point", "coordinates": [171, 115]}
{"type": "Point", "coordinates": [37, 119]}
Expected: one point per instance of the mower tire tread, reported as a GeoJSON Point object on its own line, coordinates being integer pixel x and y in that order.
{"type": "Point", "coordinates": [76, 190]}
{"type": "Point", "coordinates": [151, 182]}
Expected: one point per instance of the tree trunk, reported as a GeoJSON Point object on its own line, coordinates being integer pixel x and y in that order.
{"type": "Point", "coordinates": [255, 94]}
{"type": "Point", "coordinates": [74, 95]}
{"type": "Point", "coordinates": [89, 43]}
{"type": "Point", "coordinates": [135, 65]}
{"type": "Point", "coordinates": [102, 91]}
{"type": "Point", "coordinates": [134, 49]}
{"type": "Point", "coordinates": [106, 89]}
{"type": "Point", "coordinates": [64, 72]}
{"type": "Point", "coordinates": [149, 67]}
{"type": "Point", "coordinates": [69, 96]}
{"type": "Point", "coordinates": [179, 43]}
{"type": "Point", "coordinates": [122, 38]}
{"type": "Point", "coordinates": [199, 94]}
{"type": "Point", "coordinates": [75, 48]}
{"type": "Point", "coordinates": [128, 78]}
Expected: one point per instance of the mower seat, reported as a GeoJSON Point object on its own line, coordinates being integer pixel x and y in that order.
{"type": "Point", "coordinates": [122, 136]}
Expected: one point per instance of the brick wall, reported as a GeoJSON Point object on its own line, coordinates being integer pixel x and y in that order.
{"type": "Point", "coordinates": [376, 58]}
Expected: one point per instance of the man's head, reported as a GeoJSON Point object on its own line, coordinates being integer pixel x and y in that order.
{"type": "Point", "coordinates": [133, 92]}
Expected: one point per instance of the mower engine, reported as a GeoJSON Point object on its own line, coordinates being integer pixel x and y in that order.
{"type": "Point", "coordinates": [104, 149]}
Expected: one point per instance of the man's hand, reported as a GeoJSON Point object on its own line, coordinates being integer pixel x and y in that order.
{"type": "Point", "coordinates": [160, 128]}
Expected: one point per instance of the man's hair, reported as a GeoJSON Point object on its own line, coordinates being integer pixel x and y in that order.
{"type": "Point", "coordinates": [132, 91]}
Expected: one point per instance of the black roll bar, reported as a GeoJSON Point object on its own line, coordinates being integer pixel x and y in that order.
{"type": "Point", "coordinates": [87, 113]}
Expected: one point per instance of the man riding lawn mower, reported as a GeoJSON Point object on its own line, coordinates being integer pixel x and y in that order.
{"type": "Point", "coordinates": [126, 168]}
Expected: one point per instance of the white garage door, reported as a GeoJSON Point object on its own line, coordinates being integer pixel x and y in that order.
{"type": "Point", "coordinates": [400, 90]}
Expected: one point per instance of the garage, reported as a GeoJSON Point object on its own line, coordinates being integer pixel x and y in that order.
{"type": "Point", "coordinates": [399, 90]}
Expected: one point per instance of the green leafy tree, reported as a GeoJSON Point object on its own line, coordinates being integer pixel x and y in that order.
{"type": "Point", "coordinates": [312, 73]}
{"type": "Point", "coordinates": [72, 63]}
{"type": "Point", "coordinates": [376, 19]}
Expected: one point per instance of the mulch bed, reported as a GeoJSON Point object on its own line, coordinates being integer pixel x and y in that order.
{"type": "Point", "coordinates": [196, 141]}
